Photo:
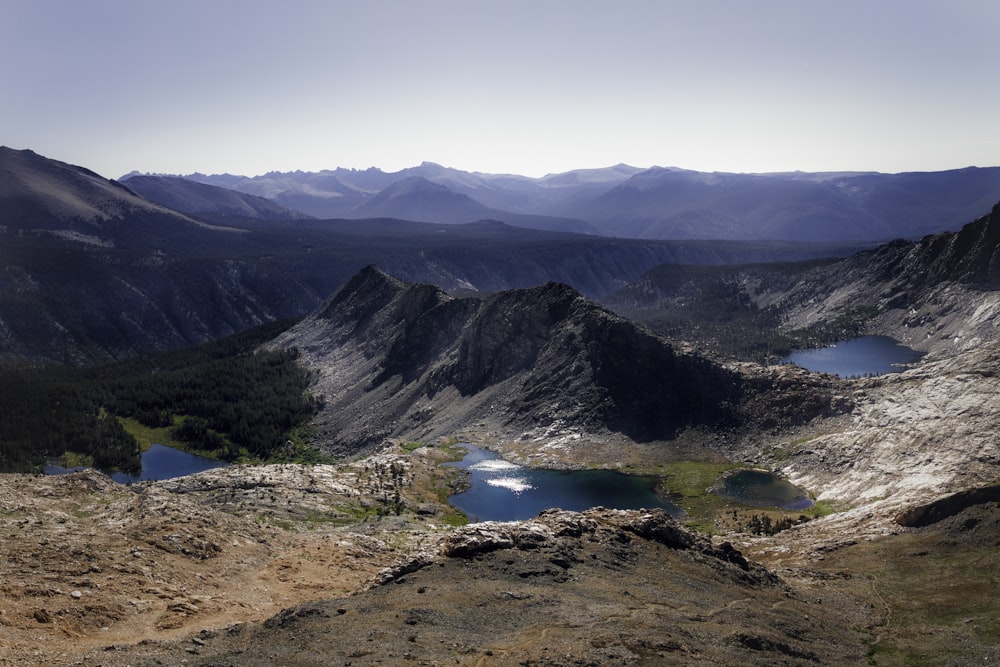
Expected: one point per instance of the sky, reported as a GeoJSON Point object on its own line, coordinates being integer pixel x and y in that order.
{"type": "Point", "coordinates": [525, 87]}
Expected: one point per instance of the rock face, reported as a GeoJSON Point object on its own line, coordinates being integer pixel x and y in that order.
{"type": "Point", "coordinates": [938, 294]}
{"type": "Point", "coordinates": [939, 510]}
{"type": "Point", "coordinates": [913, 435]}
{"type": "Point", "coordinates": [596, 525]}
{"type": "Point", "coordinates": [403, 360]}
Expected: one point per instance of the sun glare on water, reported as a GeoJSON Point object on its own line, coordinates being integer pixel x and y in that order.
{"type": "Point", "coordinates": [494, 465]}
{"type": "Point", "coordinates": [515, 484]}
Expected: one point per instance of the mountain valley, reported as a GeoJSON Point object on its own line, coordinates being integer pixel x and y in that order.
{"type": "Point", "coordinates": [551, 349]}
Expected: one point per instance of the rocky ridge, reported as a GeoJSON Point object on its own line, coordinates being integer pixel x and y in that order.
{"type": "Point", "coordinates": [408, 361]}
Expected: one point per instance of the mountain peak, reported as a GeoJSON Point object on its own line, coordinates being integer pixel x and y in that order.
{"type": "Point", "coordinates": [371, 285]}
{"type": "Point", "coordinates": [417, 198]}
{"type": "Point", "coordinates": [413, 185]}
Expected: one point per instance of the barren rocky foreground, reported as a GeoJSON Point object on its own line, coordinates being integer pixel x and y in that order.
{"type": "Point", "coordinates": [88, 563]}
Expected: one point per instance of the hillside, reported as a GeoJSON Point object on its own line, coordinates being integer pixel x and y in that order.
{"type": "Point", "coordinates": [267, 566]}
{"type": "Point", "coordinates": [35, 188]}
{"type": "Point", "coordinates": [202, 200]}
{"type": "Point", "coordinates": [938, 294]}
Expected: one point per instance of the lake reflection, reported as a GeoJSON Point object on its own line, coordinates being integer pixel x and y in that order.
{"type": "Point", "coordinates": [504, 491]}
{"type": "Point", "coordinates": [858, 357]}
{"type": "Point", "coordinates": [158, 462]}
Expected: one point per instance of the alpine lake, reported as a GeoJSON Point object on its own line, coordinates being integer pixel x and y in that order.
{"type": "Point", "coordinates": [158, 462]}
{"type": "Point", "coordinates": [500, 490]}
{"type": "Point", "coordinates": [858, 357]}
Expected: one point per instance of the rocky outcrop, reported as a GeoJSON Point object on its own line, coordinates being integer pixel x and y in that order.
{"type": "Point", "coordinates": [555, 529]}
{"type": "Point", "coordinates": [939, 510]}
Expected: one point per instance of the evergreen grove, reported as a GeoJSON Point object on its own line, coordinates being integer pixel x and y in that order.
{"type": "Point", "coordinates": [225, 398]}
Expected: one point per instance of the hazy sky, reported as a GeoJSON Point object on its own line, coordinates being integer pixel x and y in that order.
{"type": "Point", "coordinates": [248, 86]}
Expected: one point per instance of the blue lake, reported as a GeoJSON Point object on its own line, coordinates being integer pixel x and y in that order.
{"type": "Point", "coordinates": [858, 357]}
{"type": "Point", "coordinates": [504, 491]}
{"type": "Point", "coordinates": [760, 488]}
{"type": "Point", "coordinates": [158, 462]}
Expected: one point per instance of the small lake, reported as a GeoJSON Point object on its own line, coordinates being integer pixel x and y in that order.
{"type": "Point", "coordinates": [760, 488]}
{"type": "Point", "coordinates": [858, 357]}
{"type": "Point", "coordinates": [158, 462]}
{"type": "Point", "coordinates": [504, 491]}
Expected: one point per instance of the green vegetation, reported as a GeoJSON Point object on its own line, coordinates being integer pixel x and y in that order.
{"type": "Point", "coordinates": [435, 483]}
{"type": "Point", "coordinates": [225, 399]}
{"type": "Point", "coordinates": [147, 435]}
{"type": "Point", "coordinates": [687, 484]}
{"type": "Point", "coordinates": [820, 508]}
{"type": "Point", "coordinates": [766, 523]}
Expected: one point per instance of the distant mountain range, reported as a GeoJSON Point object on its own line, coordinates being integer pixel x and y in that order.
{"type": "Point", "coordinates": [656, 203]}
{"type": "Point", "coordinates": [93, 270]}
